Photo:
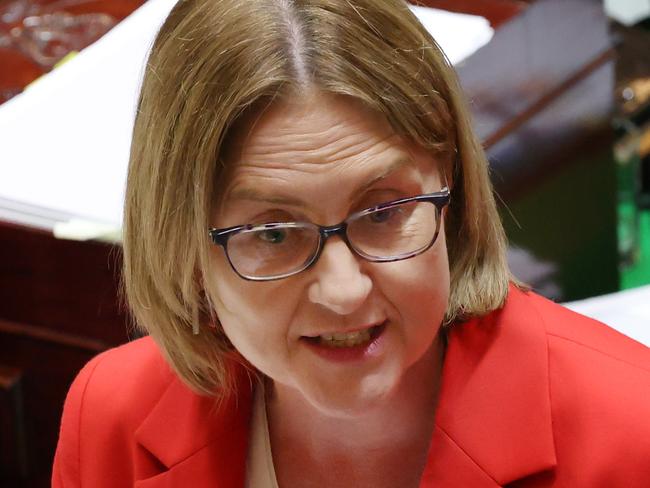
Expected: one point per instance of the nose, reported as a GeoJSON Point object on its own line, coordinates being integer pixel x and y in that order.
{"type": "Point", "coordinates": [339, 284]}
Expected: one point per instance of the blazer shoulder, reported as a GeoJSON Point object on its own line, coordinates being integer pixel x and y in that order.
{"type": "Point", "coordinates": [131, 375]}
{"type": "Point", "coordinates": [596, 375]}
{"type": "Point", "coordinates": [563, 324]}
{"type": "Point", "coordinates": [107, 401]}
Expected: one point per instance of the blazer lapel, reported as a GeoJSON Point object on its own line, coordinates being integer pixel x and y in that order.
{"type": "Point", "coordinates": [493, 423]}
{"type": "Point", "coordinates": [197, 442]}
{"type": "Point", "coordinates": [449, 466]}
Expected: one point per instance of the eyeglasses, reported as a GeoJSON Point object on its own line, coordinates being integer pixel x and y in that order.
{"type": "Point", "coordinates": [392, 231]}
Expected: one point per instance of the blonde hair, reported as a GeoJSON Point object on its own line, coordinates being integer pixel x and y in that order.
{"type": "Point", "coordinates": [214, 61]}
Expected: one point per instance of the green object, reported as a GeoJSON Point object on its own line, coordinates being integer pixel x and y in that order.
{"type": "Point", "coordinates": [637, 273]}
{"type": "Point", "coordinates": [633, 227]}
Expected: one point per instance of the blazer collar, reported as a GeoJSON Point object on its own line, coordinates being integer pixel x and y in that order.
{"type": "Point", "coordinates": [198, 442]}
{"type": "Point", "coordinates": [494, 413]}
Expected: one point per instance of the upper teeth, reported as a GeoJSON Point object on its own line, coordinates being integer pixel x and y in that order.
{"type": "Point", "coordinates": [342, 336]}
{"type": "Point", "coordinates": [343, 339]}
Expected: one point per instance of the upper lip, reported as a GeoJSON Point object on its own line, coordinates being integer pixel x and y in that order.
{"type": "Point", "coordinates": [346, 330]}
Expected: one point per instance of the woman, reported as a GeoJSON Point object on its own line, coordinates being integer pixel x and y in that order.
{"type": "Point", "coordinates": [312, 246]}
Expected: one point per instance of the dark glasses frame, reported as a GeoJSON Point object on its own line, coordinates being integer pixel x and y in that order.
{"type": "Point", "coordinates": [439, 199]}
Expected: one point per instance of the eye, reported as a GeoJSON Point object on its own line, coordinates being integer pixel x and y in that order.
{"type": "Point", "coordinates": [273, 236]}
{"type": "Point", "coordinates": [383, 216]}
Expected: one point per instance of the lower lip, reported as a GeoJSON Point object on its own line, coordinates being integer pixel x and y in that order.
{"type": "Point", "coordinates": [352, 353]}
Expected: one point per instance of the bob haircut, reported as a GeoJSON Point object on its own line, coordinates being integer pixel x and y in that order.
{"type": "Point", "coordinates": [215, 62]}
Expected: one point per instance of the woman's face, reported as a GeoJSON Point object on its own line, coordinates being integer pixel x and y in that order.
{"type": "Point", "coordinates": [319, 159]}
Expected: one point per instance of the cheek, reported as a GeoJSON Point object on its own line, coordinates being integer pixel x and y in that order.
{"type": "Point", "coordinates": [254, 316]}
{"type": "Point", "coordinates": [434, 279]}
{"type": "Point", "coordinates": [257, 332]}
{"type": "Point", "coordinates": [233, 297]}
{"type": "Point", "coordinates": [419, 288]}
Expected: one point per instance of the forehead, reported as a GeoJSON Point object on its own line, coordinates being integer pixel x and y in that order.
{"type": "Point", "coordinates": [318, 127]}
{"type": "Point", "coordinates": [315, 143]}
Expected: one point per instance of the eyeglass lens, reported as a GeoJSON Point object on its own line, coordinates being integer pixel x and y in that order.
{"type": "Point", "coordinates": [264, 252]}
{"type": "Point", "coordinates": [393, 231]}
{"type": "Point", "coordinates": [275, 250]}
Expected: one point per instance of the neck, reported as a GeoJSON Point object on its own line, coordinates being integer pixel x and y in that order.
{"type": "Point", "coordinates": [403, 420]}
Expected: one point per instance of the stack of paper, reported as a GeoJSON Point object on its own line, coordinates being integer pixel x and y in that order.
{"type": "Point", "coordinates": [627, 311]}
{"type": "Point", "coordinates": [65, 141]}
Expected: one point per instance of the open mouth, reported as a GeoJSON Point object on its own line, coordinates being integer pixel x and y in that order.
{"type": "Point", "coordinates": [348, 339]}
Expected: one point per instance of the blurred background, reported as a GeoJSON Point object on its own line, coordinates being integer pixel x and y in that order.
{"type": "Point", "coordinates": [560, 95]}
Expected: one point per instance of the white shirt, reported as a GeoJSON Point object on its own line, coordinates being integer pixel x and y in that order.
{"type": "Point", "coordinates": [260, 472]}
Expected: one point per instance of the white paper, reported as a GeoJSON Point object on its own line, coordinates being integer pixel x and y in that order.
{"type": "Point", "coordinates": [627, 12]}
{"type": "Point", "coordinates": [627, 311]}
{"type": "Point", "coordinates": [459, 35]}
{"type": "Point", "coordinates": [64, 142]}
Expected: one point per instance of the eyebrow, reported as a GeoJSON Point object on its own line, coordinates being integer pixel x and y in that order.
{"type": "Point", "coordinates": [246, 193]}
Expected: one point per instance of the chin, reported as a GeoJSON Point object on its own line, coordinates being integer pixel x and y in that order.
{"type": "Point", "coordinates": [353, 400]}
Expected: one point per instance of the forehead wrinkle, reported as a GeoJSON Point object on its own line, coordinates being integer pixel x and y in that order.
{"type": "Point", "coordinates": [254, 194]}
{"type": "Point", "coordinates": [315, 160]}
{"type": "Point", "coordinates": [243, 191]}
{"type": "Point", "coordinates": [290, 175]}
{"type": "Point", "coordinates": [341, 140]}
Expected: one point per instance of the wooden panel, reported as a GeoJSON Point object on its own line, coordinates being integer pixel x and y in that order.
{"type": "Point", "coordinates": [47, 370]}
{"type": "Point", "coordinates": [69, 287]}
{"type": "Point", "coordinates": [59, 307]}
{"type": "Point", "coordinates": [13, 454]}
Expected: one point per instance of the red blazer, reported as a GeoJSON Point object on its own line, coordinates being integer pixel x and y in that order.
{"type": "Point", "coordinates": [533, 395]}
